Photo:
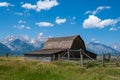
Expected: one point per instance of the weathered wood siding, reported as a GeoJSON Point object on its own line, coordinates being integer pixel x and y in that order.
{"type": "Point", "coordinates": [45, 58]}
{"type": "Point", "coordinates": [78, 44]}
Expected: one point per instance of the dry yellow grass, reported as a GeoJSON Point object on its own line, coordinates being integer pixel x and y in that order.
{"type": "Point", "coordinates": [16, 68]}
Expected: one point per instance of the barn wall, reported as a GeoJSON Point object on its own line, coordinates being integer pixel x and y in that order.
{"type": "Point", "coordinates": [77, 44]}
{"type": "Point", "coordinates": [45, 58]}
{"type": "Point", "coordinates": [92, 55]}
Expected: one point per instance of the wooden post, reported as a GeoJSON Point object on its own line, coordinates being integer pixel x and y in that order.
{"type": "Point", "coordinates": [117, 61]}
{"type": "Point", "coordinates": [68, 55]}
{"type": "Point", "coordinates": [53, 57]}
{"type": "Point", "coordinates": [109, 57]}
{"type": "Point", "coordinates": [58, 56]}
{"type": "Point", "coordinates": [81, 58]}
{"type": "Point", "coordinates": [102, 60]}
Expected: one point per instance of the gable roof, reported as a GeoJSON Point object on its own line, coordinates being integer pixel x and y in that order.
{"type": "Point", "coordinates": [61, 42]}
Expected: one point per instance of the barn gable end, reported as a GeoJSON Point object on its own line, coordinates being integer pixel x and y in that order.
{"type": "Point", "coordinates": [59, 43]}
{"type": "Point", "coordinates": [65, 43]}
{"type": "Point", "coordinates": [78, 44]}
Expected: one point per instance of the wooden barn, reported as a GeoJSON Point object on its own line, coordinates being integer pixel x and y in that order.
{"type": "Point", "coordinates": [60, 47]}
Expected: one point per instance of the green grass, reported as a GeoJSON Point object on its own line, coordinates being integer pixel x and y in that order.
{"type": "Point", "coordinates": [18, 69]}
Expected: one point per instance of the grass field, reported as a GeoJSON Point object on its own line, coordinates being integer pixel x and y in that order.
{"type": "Point", "coordinates": [13, 68]}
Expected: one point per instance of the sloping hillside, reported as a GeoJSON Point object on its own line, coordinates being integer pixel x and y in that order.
{"type": "Point", "coordinates": [4, 49]}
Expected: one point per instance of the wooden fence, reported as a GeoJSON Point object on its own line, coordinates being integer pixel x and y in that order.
{"type": "Point", "coordinates": [104, 59]}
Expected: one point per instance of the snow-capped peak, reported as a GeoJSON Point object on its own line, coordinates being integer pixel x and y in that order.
{"type": "Point", "coordinates": [100, 48]}
{"type": "Point", "coordinates": [38, 39]}
{"type": "Point", "coordinates": [8, 39]}
{"type": "Point", "coordinates": [116, 46]}
{"type": "Point", "coordinates": [24, 38]}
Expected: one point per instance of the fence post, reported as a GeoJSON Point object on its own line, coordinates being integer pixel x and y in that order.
{"type": "Point", "coordinates": [81, 58]}
{"type": "Point", "coordinates": [109, 57]}
{"type": "Point", "coordinates": [117, 61]}
{"type": "Point", "coordinates": [102, 60]}
{"type": "Point", "coordinates": [53, 57]}
{"type": "Point", "coordinates": [58, 56]}
{"type": "Point", "coordinates": [68, 55]}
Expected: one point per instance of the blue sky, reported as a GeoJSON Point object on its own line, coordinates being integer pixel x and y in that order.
{"type": "Point", "coordinates": [93, 20]}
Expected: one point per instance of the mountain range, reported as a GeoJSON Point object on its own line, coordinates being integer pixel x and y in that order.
{"type": "Point", "coordinates": [99, 48]}
{"type": "Point", "coordinates": [17, 45]}
{"type": "Point", "coordinates": [4, 49]}
{"type": "Point", "coordinates": [21, 44]}
{"type": "Point", "coordinates": [116, 46]}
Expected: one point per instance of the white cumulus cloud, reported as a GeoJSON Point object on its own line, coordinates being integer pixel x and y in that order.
{"type": "Point", "coordinates": [21, 22]}
{"type": "Point", "coordinates": [73, 20]}
{"type": "Point", "coordinates": [60, 20]}
{"type": "Point", "coordinates": [100, 8]}
{"type": "Point", "coordinates": [5, 4]}
{"type": "Point", "coordinates": [44, 24]}
{"type": "Point", "coordinates": [113, 29]}
{"type": "Point", "coordinates": [25, 13]}
{"type": "Point", "coordinates": [41, 5]}
{"type": "Point", "coordinates": [95, 22]}
{"type": "Point", "coordinates": [28, 27]}
{"type": "Point", "coordinates": [18, 13]}
{"type": "Point", "coordinates": [22, 27]}
{"type": "Point", "coordinates": [28, 6]}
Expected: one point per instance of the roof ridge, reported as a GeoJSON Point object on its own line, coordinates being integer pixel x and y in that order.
{"type": "Point", "coordinates": [63, 38]}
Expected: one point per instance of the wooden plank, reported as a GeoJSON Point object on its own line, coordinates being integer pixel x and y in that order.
{"type": "Point", "coordinates": [63, 54]}
{"type": "Point", "coordinates": [88, 56]}
{"type": "Point", "coordinates": [74, 50]}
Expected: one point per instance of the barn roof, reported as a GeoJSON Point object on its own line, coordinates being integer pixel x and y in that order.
{"type": "Point", "coordinates": [46, 51]}
{"type": "Point", "coordinates": [60, 42]}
